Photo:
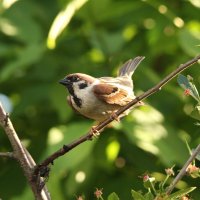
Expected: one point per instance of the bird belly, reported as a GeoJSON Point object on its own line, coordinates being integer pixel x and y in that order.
{"type": "Point", "coordinates": [93, 108]}
{"type": "Point", "coordinates": [87, 104]}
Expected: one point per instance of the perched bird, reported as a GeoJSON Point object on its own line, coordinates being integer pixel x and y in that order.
{"type": "Point", "coordinates": [98, 98]}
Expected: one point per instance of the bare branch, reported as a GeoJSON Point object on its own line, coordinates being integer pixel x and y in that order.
{"type": "Point", "coordinates": [183, 170]}
{"type": "Point", "coordinates": [22, 155]}
{"type": "Point", "coordinates": [101, 126]}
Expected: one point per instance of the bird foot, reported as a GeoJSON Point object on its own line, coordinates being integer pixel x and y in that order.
{"type": "Point", "coordinates": [95, 132]}
{"type": "Point", "coordinates": [115, 117]}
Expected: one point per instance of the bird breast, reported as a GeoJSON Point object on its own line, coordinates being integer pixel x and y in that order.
{"type": "Point", "coordinates": [91, 106]}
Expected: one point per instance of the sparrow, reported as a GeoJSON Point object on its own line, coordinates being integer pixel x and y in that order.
{"type": "Point", "coordinates": [98, 98]}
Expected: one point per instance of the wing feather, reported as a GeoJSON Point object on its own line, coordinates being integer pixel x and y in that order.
{"type": "Point", "coordinates": [111, 94]}
{"type": "Point", "coordinates": [130, 66]}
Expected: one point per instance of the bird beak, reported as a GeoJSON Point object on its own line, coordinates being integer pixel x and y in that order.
{"type": "Point", "coordinates": [64, 82]}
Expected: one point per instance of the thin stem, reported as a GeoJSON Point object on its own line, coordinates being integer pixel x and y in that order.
{"type": "Point", "coordinates": [183, 170]}
{"type": "Point", "coordinates": [101, 126]}
{"type": "Point", "coordinates": [164, 182]}
{"type": "Point", "coordinates": [153, 188]}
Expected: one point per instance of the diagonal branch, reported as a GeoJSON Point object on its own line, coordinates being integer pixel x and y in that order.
{"type": "Point", "coordinates": [101, 126]}
{"type": "Point", "coordinates": [183, 170]}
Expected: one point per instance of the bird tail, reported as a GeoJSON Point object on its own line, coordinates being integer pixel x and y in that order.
{"type": "Point", "coordinates": [129, 67]}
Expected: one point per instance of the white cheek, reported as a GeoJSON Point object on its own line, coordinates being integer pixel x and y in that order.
{"type": "Point", "coordinates": [82, 93]}
{"type": "Point", "coordinates": [86, 94]}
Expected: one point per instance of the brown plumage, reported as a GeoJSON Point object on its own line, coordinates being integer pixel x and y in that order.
{"type": "Point", "coordinates": [97, 98]}
{"type": "Point", "coordinates": [111, 95]}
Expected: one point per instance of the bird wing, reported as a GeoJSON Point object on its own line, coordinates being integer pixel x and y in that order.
{"type": "Point", "coordinates": [129, 67]}
{"type": "Point", "coordinates": [112, 94]}
{"type": "Point", "coordinates": [119, 80]}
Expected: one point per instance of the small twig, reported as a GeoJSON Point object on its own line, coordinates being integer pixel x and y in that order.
{"type": "Point", "coordinates": [183, 170]}
{"type": "Point", "coordinates": [7, 155]}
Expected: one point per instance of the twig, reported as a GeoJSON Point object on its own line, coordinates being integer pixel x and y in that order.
{"type": "Point", "coordinates": [7, 155]}
{"type": "Point", "coordinates": [183, 170]}
{"type": "Point", "coordinates": [101, 126]}
{"type": "Point", "coordinates": [22, 155]}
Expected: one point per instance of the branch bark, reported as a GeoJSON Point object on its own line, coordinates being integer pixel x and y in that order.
{"type": "Point", "coordinates": [101, 126]}
{"type": "Point", "coordinates": [21, 154]}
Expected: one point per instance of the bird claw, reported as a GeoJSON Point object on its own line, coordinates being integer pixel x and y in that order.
{"type": "Point", "coordinates": [95, 132]}
{"type": "Point", "coordinates": [114, 116]}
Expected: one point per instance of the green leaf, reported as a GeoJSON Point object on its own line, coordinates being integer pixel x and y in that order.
{"type": "Point", "coordinates": [113, 196]}
{"type": "Point", "coordinates": [195, 92]}
{"type": "Point", "coordinates": [149, 196]}
{"type": "Point", "coordinates": [196, 113]}
{"type": "Point", "coordinates": [186, 83]}
{"type": "Point", "coordinates": [25, 58]}
{"type": "Point", "coordinates": [180, 193]}
{"type": "Point", "coordinates": [57, 136]}
{"type": "Point", "coordinates": [189, 42]}
{"type": "Point", "coordinates": [183, 81]}
{"type": "Point", "coordinates": [137, 195]}
{"type": "Point", "coordinates": [149, 133]}
{"type": "Point", "coordinates": [109, 43]}
{"type": "Point", "coordinates": [62, 20]}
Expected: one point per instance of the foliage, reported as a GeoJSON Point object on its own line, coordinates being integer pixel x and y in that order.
{"type": "Point", "coordinates": [190, 89]}
{"type": "Point", "coordinates": [98, 38]}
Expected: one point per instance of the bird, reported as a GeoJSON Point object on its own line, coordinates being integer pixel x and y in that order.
{"type": "Point", "coordinates": [99, 98]}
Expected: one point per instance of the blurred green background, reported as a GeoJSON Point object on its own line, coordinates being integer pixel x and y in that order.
{"type": "Point", "coordinates": [38, 48]}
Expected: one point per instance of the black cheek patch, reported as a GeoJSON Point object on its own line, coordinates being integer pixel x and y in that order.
{"type": "Point", "coordinates": [77, 101]}
{"type": "Point", "coordinates": [82, 85]}
{"type": "Point", "coordinates": [70, 89]}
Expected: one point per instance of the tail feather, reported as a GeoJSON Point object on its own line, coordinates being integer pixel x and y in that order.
{"type": "Point", "coordinates": [129, 67]}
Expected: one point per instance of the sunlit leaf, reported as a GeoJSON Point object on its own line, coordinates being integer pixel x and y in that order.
{"type": "Point", "coordinates": [183, 81]}
{"type": "Point", "coordinates": [188, 85]}
{"type": "Point", "coordinates": [180, 193]}
{"type": "Point", "coordinates": [195, 113]}
{"type": "Point", "coordinates": [189, 42]}
{"type": "Point", "coordinates": [62, 20]}
{"type": "Point", "coordinates": [149, 196]}
{"type": "Point", "coordinates": [196, 3]}
{"type": "Point", "coordinates": [137, 195]}
{"type": "Point", "coordinates": [112, 150]}
{"type": "Point", "coordinates": [113, 196]}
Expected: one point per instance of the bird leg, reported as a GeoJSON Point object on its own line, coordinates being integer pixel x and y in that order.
{"type": "Point", "coordinates": [95, 132]}
{"type": "Point", "coordinates": [114, 116]}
